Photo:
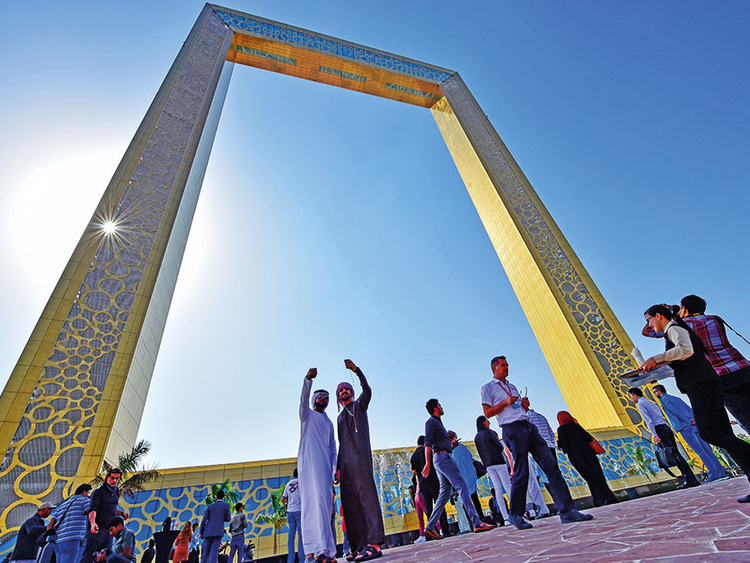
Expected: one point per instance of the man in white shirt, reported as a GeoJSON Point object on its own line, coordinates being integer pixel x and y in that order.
{"type": "Point", "coordinates": [662, 433]}
{"type": "Point", "coordinates": [291, 498]}
{"type": "Point", "coordinates": [502, 400]}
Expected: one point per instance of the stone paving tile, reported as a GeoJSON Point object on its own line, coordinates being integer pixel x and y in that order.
{"type": "Point", "coordinates": [700, 524]}
{"type": "Point", "coordinates": [733, 544]}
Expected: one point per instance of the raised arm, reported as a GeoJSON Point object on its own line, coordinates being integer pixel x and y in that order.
{"type": "Point", "coordinates": [304, 401]}
{"type": "Point", "coordinates": [366, 395]}
{"type": "Point", "coordinates": [650, 332]}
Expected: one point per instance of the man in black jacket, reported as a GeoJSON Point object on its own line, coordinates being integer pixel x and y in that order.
{"type": "Point", "coordinates": [26, 547]}
{"type": "Point", "coordinates": [104, 501]}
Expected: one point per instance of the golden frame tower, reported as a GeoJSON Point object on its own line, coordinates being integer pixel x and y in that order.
{"type": "Point", "coordinates": [79, 388]}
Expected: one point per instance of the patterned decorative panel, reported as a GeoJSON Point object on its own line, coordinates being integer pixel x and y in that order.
{"type": "Point", "coordinates": [554, 254]}
{"type": "Point", "coordinates": [49, 442]}
{"type": "Point", "coordinates": [253, 25]}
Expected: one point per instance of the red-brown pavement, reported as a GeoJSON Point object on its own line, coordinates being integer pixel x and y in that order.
{"type": "Point", "coordinates": [704, 523]}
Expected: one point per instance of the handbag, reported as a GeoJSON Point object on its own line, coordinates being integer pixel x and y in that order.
{"type": "Point", "coordinates": [666, 457]}
{"type": "Point", "coordinates": [597, 447]}
{"type": "Point", "coordinates": [480, 468]}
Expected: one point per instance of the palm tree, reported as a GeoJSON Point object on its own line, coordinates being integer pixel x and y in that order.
{"type": "Point", "coordinates": [277, 516]}
{"type": "Point", "coordinates": [231, 497]}
{"type": "Point", "coordinates": [642, 463]}
{"type": "Point", "coordinates": [134, 474]}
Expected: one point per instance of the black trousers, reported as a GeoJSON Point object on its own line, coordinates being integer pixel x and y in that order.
{"type": "Point", "coordinates": [523, 438]}
{"type": "Point", "coordinates": [95, 543]}
{"type": "Point", "coordinates": [713, 424]}
{"type": "Point", "coordinates": [665, 434]}
{"type": "Point", "coordinates": [477, 506]}
{"type": "Point", "coordinates": [736, 387]}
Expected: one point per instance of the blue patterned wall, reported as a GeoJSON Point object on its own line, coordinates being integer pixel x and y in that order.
{"type": "Point", "coordinates": [392, 476]}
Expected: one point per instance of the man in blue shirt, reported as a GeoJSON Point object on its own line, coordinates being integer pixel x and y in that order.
{"type": "Point", "coordinates": [436, 442]}
{"type": "Point", "coordinates": [683, 421]}
{"type": "Point", "coordinates": [662, 433]}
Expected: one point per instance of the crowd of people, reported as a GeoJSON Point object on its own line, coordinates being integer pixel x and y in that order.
{"type": "Point", "coordinates": [710, 372]}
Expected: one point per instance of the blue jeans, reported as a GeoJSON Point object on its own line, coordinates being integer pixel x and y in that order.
{"type": "Point", "coordinates": [69, 551]}
{"type": "Point", "coordinates": [449, 474]}
{"type": "Point", "coordinates": [523, 438]}
{"type": "Point", "coordinates": [210, 549]}
{"type": "Point", "coordinates": [294, 521]}
{"type": "Point", "coordinates": [713, 465]}
{"type": "Point", "coordinates": [48, 551]}
{"type": "Point", "coordinates": [237, 545]}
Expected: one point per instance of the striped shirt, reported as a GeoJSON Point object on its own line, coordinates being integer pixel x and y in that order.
{"type": "Point", "coordinates": [543, 426]}
{"type": "Point", "coordinates": [73, 515]}
{"type": "Point", "coordinates": [724, 357]}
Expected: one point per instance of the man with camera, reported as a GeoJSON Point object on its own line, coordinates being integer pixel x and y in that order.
{"type": "Point", "coordinates": [359, 495]}
{"type": "Point", "coordinates": [123, 545]}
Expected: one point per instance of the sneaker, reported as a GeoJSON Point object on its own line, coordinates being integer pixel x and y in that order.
{"type": "Point", "coordinates": [420, 539]}
{"type": "Point", "coordinates": [519, 522]}
{"type": "Point", "coordinates": [574, 516]}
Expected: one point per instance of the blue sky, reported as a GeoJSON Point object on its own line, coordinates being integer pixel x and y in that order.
{"type": "Point", "coordinates": [333, 224]}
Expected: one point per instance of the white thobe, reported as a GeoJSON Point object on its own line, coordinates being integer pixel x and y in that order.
{"type": "Point", "coordinates": [316, 464]}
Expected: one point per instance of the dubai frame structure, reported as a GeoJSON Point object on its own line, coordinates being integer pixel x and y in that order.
{"type": "Point", "coordinates": [77, 393]}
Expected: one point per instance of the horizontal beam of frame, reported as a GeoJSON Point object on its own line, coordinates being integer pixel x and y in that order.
{"type": "Point", "coordinates": [297, 52]}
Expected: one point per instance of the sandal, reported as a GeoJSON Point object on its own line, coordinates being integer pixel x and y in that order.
{"type": "Point", "coordinates": [368, 553]}
{"type": "Point", "coordinates": [323, 558]}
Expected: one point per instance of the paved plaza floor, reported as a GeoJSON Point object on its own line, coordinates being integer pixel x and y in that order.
{"type": "Point", "coordinates": [705, 523]}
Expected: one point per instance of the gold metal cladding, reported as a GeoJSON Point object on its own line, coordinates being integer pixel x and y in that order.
{"type": "Point", "coordinates": [578, 333]}
{"type": "Point", "coordinates": [77, 363]}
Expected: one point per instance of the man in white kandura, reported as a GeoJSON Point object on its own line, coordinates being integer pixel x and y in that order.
{"type": "Point", "coordinates": [316, 460]}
